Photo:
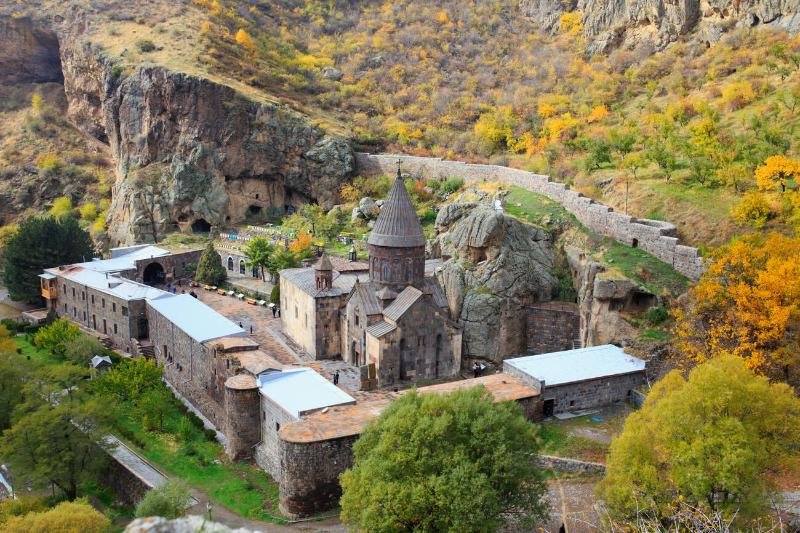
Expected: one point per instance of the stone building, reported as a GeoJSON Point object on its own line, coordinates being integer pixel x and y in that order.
{"type": "Point", "coordinates": [393, 322]}
{"type": "Point", "coordinates": [579, 379]}
{"type": "Point", "coordinates": [311, 299]}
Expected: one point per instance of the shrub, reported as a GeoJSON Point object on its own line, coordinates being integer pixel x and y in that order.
{"type": "Point", "coordinates": [657, 315]}
{"type": "Point", "coordinates": [754, 209]}
{"type": "Point", "coordinates": [57, 336]}
{"type": "Point", "coordinates": [82, 348]}
{"type": "Point", "coordinates": [145, 45]}
{"type": "Point", "coordinates": [48, 163]}
{"type": "Point", "coordinates": [275, 295]}
{"type": "Point", "coordinates": [168, 500]}
{"type": "Point", "coordinates": [77, 516]}
{"type": "Point", "coordinates": [452, 185]}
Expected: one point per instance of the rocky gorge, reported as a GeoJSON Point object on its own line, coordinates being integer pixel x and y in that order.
{"type": "Point", "coordinates": [188, 153]}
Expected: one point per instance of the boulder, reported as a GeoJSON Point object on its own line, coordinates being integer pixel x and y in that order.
{"type": "Point", "coordinates": [331, 73]}
{"type": "Point", "coordinates": [368, 207]}
{"type": "Point", "coordinates": [186, 524]}
{"type": "Point", "coordinates": [496, 266]}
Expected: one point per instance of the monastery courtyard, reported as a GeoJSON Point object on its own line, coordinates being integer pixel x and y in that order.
{"type": "Point", "coordinates": [268, 333]}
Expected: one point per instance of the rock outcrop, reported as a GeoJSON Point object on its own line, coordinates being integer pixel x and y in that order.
{"type": "Point", "coordinates": [494, 265]}
{"type": "Point", "coordinates": [656, 23]}
{"type": "Point", "coordinates": [190, 153]}
{"type": "Point", "coordinates": [603, 299]}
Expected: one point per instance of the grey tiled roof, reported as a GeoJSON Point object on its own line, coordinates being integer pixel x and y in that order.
{"type": "Point", "coordinates": [431, 286]}
{"type": "Point", "coordinates": [402, 303]}
{"type": "Point", "coordinates": [397, 225]}
{"type": "Point", "coordinates": [366, 294]}
{"type": "Point", "coordinates": [304, 279]}
{"type": "Point", "coordinates": [380, 329]}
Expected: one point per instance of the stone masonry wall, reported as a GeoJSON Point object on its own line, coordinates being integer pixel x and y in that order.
{"type": "Point", "coordinates": [655, 237]}
{"type": "Point", "coordinates": [268, 453]}
{"type": "Point", "coordinates": [242, 424]}
{"type": "Point", "coordinates": [592, 393]}
{"type": "Point", "coordinates": [553, 327]}
{"type": "Point", "coordinates": [310, 480]}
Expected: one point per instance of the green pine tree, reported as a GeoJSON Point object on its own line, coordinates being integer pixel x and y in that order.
{"type": "Point", "coordinates": [40, 243]}
{"type": "Point", "coordinates": [209, 268]}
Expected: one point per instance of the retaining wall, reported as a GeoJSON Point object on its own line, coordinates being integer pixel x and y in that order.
{"type": "Point", "coordinates": [653, 236]}
{"type": "Point", "coordinates": [563, 464]}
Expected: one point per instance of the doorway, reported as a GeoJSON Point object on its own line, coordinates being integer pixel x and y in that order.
{"type": "Point", "coordinates": [548, 407]}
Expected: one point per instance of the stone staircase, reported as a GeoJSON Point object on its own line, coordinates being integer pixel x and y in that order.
{"type": "Point", "coordinates": [145, 349]}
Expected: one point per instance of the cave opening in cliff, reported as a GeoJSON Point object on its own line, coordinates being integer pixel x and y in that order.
{"type": "Point", "coordinates": [35, 56]}
{"type": "Point", "coordinates": [201, 225]}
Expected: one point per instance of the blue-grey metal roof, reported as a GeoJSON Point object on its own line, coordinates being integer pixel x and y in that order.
{"type": "Point", "coordinates": [194, 318]}
{"type": "Point", "coordinates": [571, 366]}
{"type": "Point", "coordinates": [299, 391]}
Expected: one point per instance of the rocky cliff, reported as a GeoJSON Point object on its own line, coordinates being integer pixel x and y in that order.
{"type": "Point", "coordinates": [656, 23]}
{"type": "Point", "coordinates": [494, 265]}
{"type": "Point", "coordinates": [190, 154]}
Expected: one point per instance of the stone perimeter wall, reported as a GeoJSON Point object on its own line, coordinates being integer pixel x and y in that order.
{"type": "Point", "coordinates": [653, 236]}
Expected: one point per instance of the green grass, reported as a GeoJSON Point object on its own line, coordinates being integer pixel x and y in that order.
{"type": "Point", "coordinates": [243, 488]}
{"type": "Point", "coordinates": [537, 209]}
{"type": "Point", "coordinates": [556, 440]}
{"type": "Point", "coordinates": [641, 267]}
{"type": "Point", "coordinates": [35, 354]}
{"type": "Point", "coordinates": [654, 335]}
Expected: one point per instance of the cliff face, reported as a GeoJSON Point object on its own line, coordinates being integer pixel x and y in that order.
{"type": "Point", "coordinates": [189, 153]}
{"type": "Point", "coordinates": [496, 265]}
{"type": "Point", "coordinates": [656, 23]}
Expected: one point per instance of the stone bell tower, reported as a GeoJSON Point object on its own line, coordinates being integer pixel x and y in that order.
{"type": "Point", "coordinates": [396, 244]}
{"type": "Point", "coordinates": [323, 274]}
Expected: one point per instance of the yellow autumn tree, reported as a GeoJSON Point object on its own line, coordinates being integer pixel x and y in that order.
{"type": "Point", "coordinates": [778, 171]}
{"type": "Point", "coordinates": [301, 243]}
{"type": "Point", "coordinates": [243, 38]}
{"type": "Point", "coordinates": [747, 304]}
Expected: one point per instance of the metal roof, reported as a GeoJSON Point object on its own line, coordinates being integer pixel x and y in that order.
{"type": "Point", "coordinates": [97, 360]}
{"type": "Point", "coordinates": [47, 275]}
{"type": "Point", "coordinates": [571, 366]}
{"type": "Point", "coordinates": [124, 260]}
{"type": "Point", "coordinates": [379, 329]}
{"type": "Point", "coordinates": [193, 317]}
{"type": "Point", "coordinates": [299, 391]}
{"type": "Point", "coordinates": [304, 279]}
{"type": "Point", "coordinates": [402, 303]}
{"type": "Point", "coordinates": [108, 283]}
{"type": "Point", "coordinates": [397, 225]}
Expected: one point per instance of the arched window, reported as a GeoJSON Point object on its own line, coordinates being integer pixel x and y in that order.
{"type": "Point", "coordinates": [242, 267]}
{"type": "Point", "coordinates": [230, 263]}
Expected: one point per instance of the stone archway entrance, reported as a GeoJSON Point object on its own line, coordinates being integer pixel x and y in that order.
{"type": "Point", "coordinates": [153, 274]}
{"type": "Point", "coordinates": [201, 225]}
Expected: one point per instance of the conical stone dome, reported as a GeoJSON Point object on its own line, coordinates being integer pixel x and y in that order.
{"type": "Point", "coordinates": [397, 225]}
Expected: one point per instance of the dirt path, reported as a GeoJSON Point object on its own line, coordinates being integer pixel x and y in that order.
{"type": "Point", "coordinates": [572, 504]}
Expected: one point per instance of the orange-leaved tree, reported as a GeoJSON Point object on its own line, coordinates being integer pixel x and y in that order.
{"type": "Point", "coordinates": [747, 304]}
{"type": "Point", "coordinates": [301, 243]}
{"type": "Point", "coordinates": [778, 171]}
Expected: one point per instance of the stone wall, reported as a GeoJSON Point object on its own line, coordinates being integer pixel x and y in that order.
{"type": "Point", "coordinates": [593, 392]}
{"type": "Point", "coordinates": [655, 237]}
{"type": "Point", "coordinates": [174, 265]}
{"type": "Point", "coordinates": [268, 453]}
{"type": "Point", "coordinates": [188, 365]}
{"type": "Point", "coordinates": [128, 488]}
{"type": "Point", "coordinates": [311, 470]}
{"type": "Point", "coordinates": [572, 466]}
{"type": "Point", "coordinates": [553, 327]}
{"type": "Point", "coordinates": [242, 413]}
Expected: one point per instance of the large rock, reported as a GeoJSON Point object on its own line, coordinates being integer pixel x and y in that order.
{"type": "Point", "coordinates": [604, 299]}
{"type": "Point", "coordinates": [187, 524]}
{"type": "Point", "coordinates": [656, 23]}
{"type": "Point", "coordinates": [495, 265]}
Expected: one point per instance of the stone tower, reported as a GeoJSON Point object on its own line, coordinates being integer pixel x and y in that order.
{"type": "Point", "coordinates": [396, 244]}
{"type": "Point", "coordinates": [323, 274]}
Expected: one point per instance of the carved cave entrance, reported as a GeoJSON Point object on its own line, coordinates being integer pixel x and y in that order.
{"type": "Point", "coordinates": [201, 225]}
{"type": "Point", "coordinates": [153, 274]}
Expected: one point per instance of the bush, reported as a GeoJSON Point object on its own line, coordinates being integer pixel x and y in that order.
{"type": "Point", "coordinates": [657, 315]}
{"type": "Point", "coordinates": [754, 209]}
{"type": "Point", "coordinates": [452, 185]}
{"type": "Point", "coordinates": [168, 500]}
{"type": "Point", "coordinates": [57, 336]}
{"type": "Point", "coordinates": [77, 516]}
{"type": "Point", "coordinates": [20, 507]}
{"type": "Point", "coordinates": [145, 45]}
{"type": "Point", "coordinates": [82, 348]}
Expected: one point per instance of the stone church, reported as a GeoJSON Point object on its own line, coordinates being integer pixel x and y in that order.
{"type": "Point", "coordinates": [393, 323]}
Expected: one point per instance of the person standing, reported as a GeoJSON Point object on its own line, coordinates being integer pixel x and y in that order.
{"type": "Point", "coordinates": [336, 378]}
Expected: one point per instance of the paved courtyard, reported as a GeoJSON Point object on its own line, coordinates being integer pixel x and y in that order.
{"type": "Point", "coordinates": [268, 332]}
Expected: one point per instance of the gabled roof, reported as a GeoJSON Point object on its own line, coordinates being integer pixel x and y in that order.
{"type": "Point", "coordinates": [397, 225]}
{"type": "Point", "coordinates": [107, 283]}
{"type": "Point", "coordinates": [98, 360]}
{"type": "Point", "coordinates": [193, 317]}
{"type": "Point", "coordinates": [365, 292]}
{"type": "Point", "coordinates": [305, 280]}
{"type": "Point", "coordinates": [402, 303]}
{"type": "Point", "coordinates": [379, 329]}
{"type": "Point", "coordinates": [571, 366]}
{"type": "Point", "coordinates": [299, 391]}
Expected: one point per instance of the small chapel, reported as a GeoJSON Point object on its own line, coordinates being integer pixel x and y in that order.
{"type": "Point", "coordinates": [393, 320]}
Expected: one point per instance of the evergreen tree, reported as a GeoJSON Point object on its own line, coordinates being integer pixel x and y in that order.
{"type": "Point", "coordinates": [40, 243]}
{"type": "Point", "coordinates": [209, 268]}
